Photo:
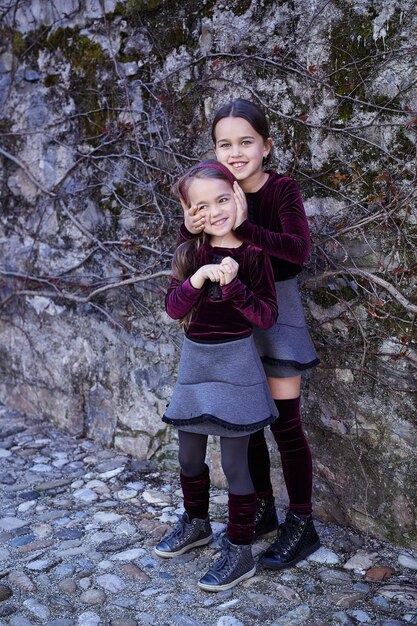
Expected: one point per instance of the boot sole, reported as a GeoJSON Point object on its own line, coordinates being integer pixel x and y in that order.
{"type": "Point", "coordinates": [271, 565]}
{"type": "Point", "coordinates": [226, 586]}
{"type": "Point", "coordinates": [190, 546]}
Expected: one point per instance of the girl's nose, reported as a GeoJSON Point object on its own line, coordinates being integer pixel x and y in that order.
{"type": "Point", "coordinates": [235, 151]}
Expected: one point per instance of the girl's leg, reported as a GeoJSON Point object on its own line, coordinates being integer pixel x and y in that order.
{"type": "Point", "coordinates": [236, 561]}
{"type": "Point", "coordinates": [259, 462]}
{"type": "Point", "coordinates": [292, 444]}
{"type": "Point", "coordinates": [260, 465]}
{"type": "Point", "coordinates": [242, 496]}
{"type": "Point", "coordinates": [194, 476]}
{"type": "Point", "coordinates": [297, 537]}
{"type": "Point", "coordinates": [193, 529]}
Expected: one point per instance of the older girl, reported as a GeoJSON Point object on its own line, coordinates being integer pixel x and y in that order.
{"type": "Point", "coordinates": [271, 216]}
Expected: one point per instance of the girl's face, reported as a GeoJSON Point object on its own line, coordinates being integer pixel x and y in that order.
{"type": "Point", "coordinates": [241, 149]}
{"type": "Point", "coordinates": [216, 199]}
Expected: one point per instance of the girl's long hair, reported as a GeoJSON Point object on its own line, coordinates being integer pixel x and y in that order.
{"type": "Point", "coordinates": [189, 255]}
{"type": "Point", "coordinates": [250, 112]}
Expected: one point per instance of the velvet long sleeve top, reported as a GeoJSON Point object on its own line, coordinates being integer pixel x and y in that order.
{"type": "Point", "coordinates": [277, 224]}
{"type": "Point", "coordinates": [229, 312]}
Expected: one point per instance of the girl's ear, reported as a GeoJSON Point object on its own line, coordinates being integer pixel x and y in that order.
{"type": "Point", "coordinates": [268, 146]}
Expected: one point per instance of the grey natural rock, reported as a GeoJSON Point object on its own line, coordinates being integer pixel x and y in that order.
{"type": "Point", "coordinates": [5, 592]}
{"type": "Point", "coordinates": [21, 580]}
{"type": "Point", "coordinates": [111, 582]}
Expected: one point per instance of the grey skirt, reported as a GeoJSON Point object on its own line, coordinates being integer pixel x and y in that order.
{"type": "Point", "coordinates": [221, 389]}
{"type": "Point", "coordinates": [286, 349]}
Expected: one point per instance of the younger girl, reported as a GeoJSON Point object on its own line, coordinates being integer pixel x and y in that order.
{"type": "Point", "coordinates": [272, 217]}
{"type": "Point", "coordinates": [220, 289]}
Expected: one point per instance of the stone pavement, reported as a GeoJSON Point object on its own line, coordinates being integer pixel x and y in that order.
{"type": "Point", "coordinates": [78, 524]}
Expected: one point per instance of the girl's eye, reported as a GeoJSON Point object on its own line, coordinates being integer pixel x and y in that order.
{"type": "Point", "coordinates": [246, 142]}
{"type": "Point", "coordinates": [223, 200]}
{"type": "Point", "coordinates": [224, 145]}
{"type": "Point", "coordinates": [203, 207]}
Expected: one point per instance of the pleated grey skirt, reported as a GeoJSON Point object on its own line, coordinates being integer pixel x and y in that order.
{"type": "Point", "coordinates": [221, 389]}
{"type": "Point", "coordinates": [286, 349]}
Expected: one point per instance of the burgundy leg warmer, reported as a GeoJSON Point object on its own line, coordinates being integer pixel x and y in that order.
{"type": "Point", "coordinates": [196, 494]}
{"type": "Point", "coordinates": [259, 465]}
{"type": "Point", "coordinates": [241, 523]}
{"type": "Point", "coordinates": [295, 455]}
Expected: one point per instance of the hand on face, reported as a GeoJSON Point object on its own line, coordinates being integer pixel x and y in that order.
{"type": "Point", "coordinates": [194, 219]}
{"type": "Point", "coordinates": [241, 205]}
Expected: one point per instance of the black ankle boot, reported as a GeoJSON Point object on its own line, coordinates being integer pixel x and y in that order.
{"type": "Point", "coordinates": [296, 539]}
{"type": "Point", "coordinates": [266, 520]}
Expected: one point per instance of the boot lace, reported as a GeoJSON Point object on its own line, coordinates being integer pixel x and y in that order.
{"type": "Point", "coordinates": [225, 562]}
{"type": "Point", "coordinates": [178, 531]}
{"type": "Point", "coordinates": [289, 534]}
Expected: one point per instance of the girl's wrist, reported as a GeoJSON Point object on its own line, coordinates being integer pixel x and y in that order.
{"type": "Point", "coordinates": [196, 280]}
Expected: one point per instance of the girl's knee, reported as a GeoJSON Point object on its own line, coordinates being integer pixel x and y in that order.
{"type": "Point", "coordinates": [190, 466]}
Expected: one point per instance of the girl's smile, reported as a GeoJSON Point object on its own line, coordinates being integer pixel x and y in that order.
{"type": "Point", "coordinates": [242, 149]}
{"type": "Point", "coordinates": [215, 200]}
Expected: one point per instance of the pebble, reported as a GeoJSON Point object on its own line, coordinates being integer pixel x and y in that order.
{"type": "Point", "coordinates": [79, 552]}
{"type": "Point", "coordinates": [361, 617]}
{"type": "Point", "coordinates": [296, 617]}
{"type": "Point", "coordinates": [88, 496]}
{"type": "Point", "coordinates": [111, 582]}
{"type": "Point", "coordinates": [228, 620]}
{"type": "Point", "coordinates": [128, 555]}
{"type": "Point", "coordinates": [325, 556]}
{"type": "Point", "coordinates": [183, 620]}
{"type": "Point", "coordinates": [345, 599]}
{"type": "Point", "coordinates": [11, 523]}
{"type": "Point", "coordinates": [21, 580]}
{"type": "Point", "coordinates": [343, 618]}
{"type": "Point", "coordinates": [19, 620]}
{"type": "Point", "coordinates": [93, 596]}
{"type": "Point", "coordinates": [156, 497]}
{"type": "Point", "coordinates": [381, 603]}
{"type": "Point", "coordinates": [107, 517]}
{"type": "Point", "coordinates": [38, 609]}
{"type": "Point", "coordinates": [67, 585]}
{"type": "Point", "coordinates": [407, 561]}
{"type": "Point", "coordinates": [5, 592]}
{"type": "Point", "coordinates": [379, 573]}
{"type": "Point", "coordinates": [361, 561]}
{"type": "Point", "coordinates": [88, 619]}
{"type": "Point", "coordinates": [335, 577]}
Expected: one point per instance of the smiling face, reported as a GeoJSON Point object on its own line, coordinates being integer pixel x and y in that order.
{"type": "Point", "coordinates": [241, 149]}
{"type": "Point", "coordinates": [215, 198]}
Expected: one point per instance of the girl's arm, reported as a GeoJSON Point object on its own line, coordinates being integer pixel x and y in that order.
{"type": "Point", "coordinates": [257, 304]}
{"type": "Point", "coordinates": [180, 298]}
{"type": "Point", "coordinates": [293, 244]}
{"type": "Point", "coordinates": [183, 295]}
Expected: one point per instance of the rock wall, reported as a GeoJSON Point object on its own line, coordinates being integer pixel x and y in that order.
{"type": "Point", "coordinates": [102, 104]}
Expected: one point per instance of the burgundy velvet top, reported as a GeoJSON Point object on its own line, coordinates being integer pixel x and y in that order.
{"type": "Point", "coordinates": [277, 224]}
{"type": "Point", "coordinates": [229, 312]}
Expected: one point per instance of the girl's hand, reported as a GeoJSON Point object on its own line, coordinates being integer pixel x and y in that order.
{"type": "Point", "coordinates": [230, 268]}
{"type": "Point", "coordinates": [194, 219]}
{"type": "Point", "coordinates": [241, 205]}
{"type": "Point", "coordinates": [211, 271]}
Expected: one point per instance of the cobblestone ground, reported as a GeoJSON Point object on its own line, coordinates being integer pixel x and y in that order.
{"type": "Point", "coordinates": [77, 528]}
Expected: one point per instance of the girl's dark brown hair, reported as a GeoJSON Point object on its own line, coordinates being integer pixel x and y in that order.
{"type": "Point", "coordinates": [250, 112]}
{"type": "Point", "coordinates": [187, 257]}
